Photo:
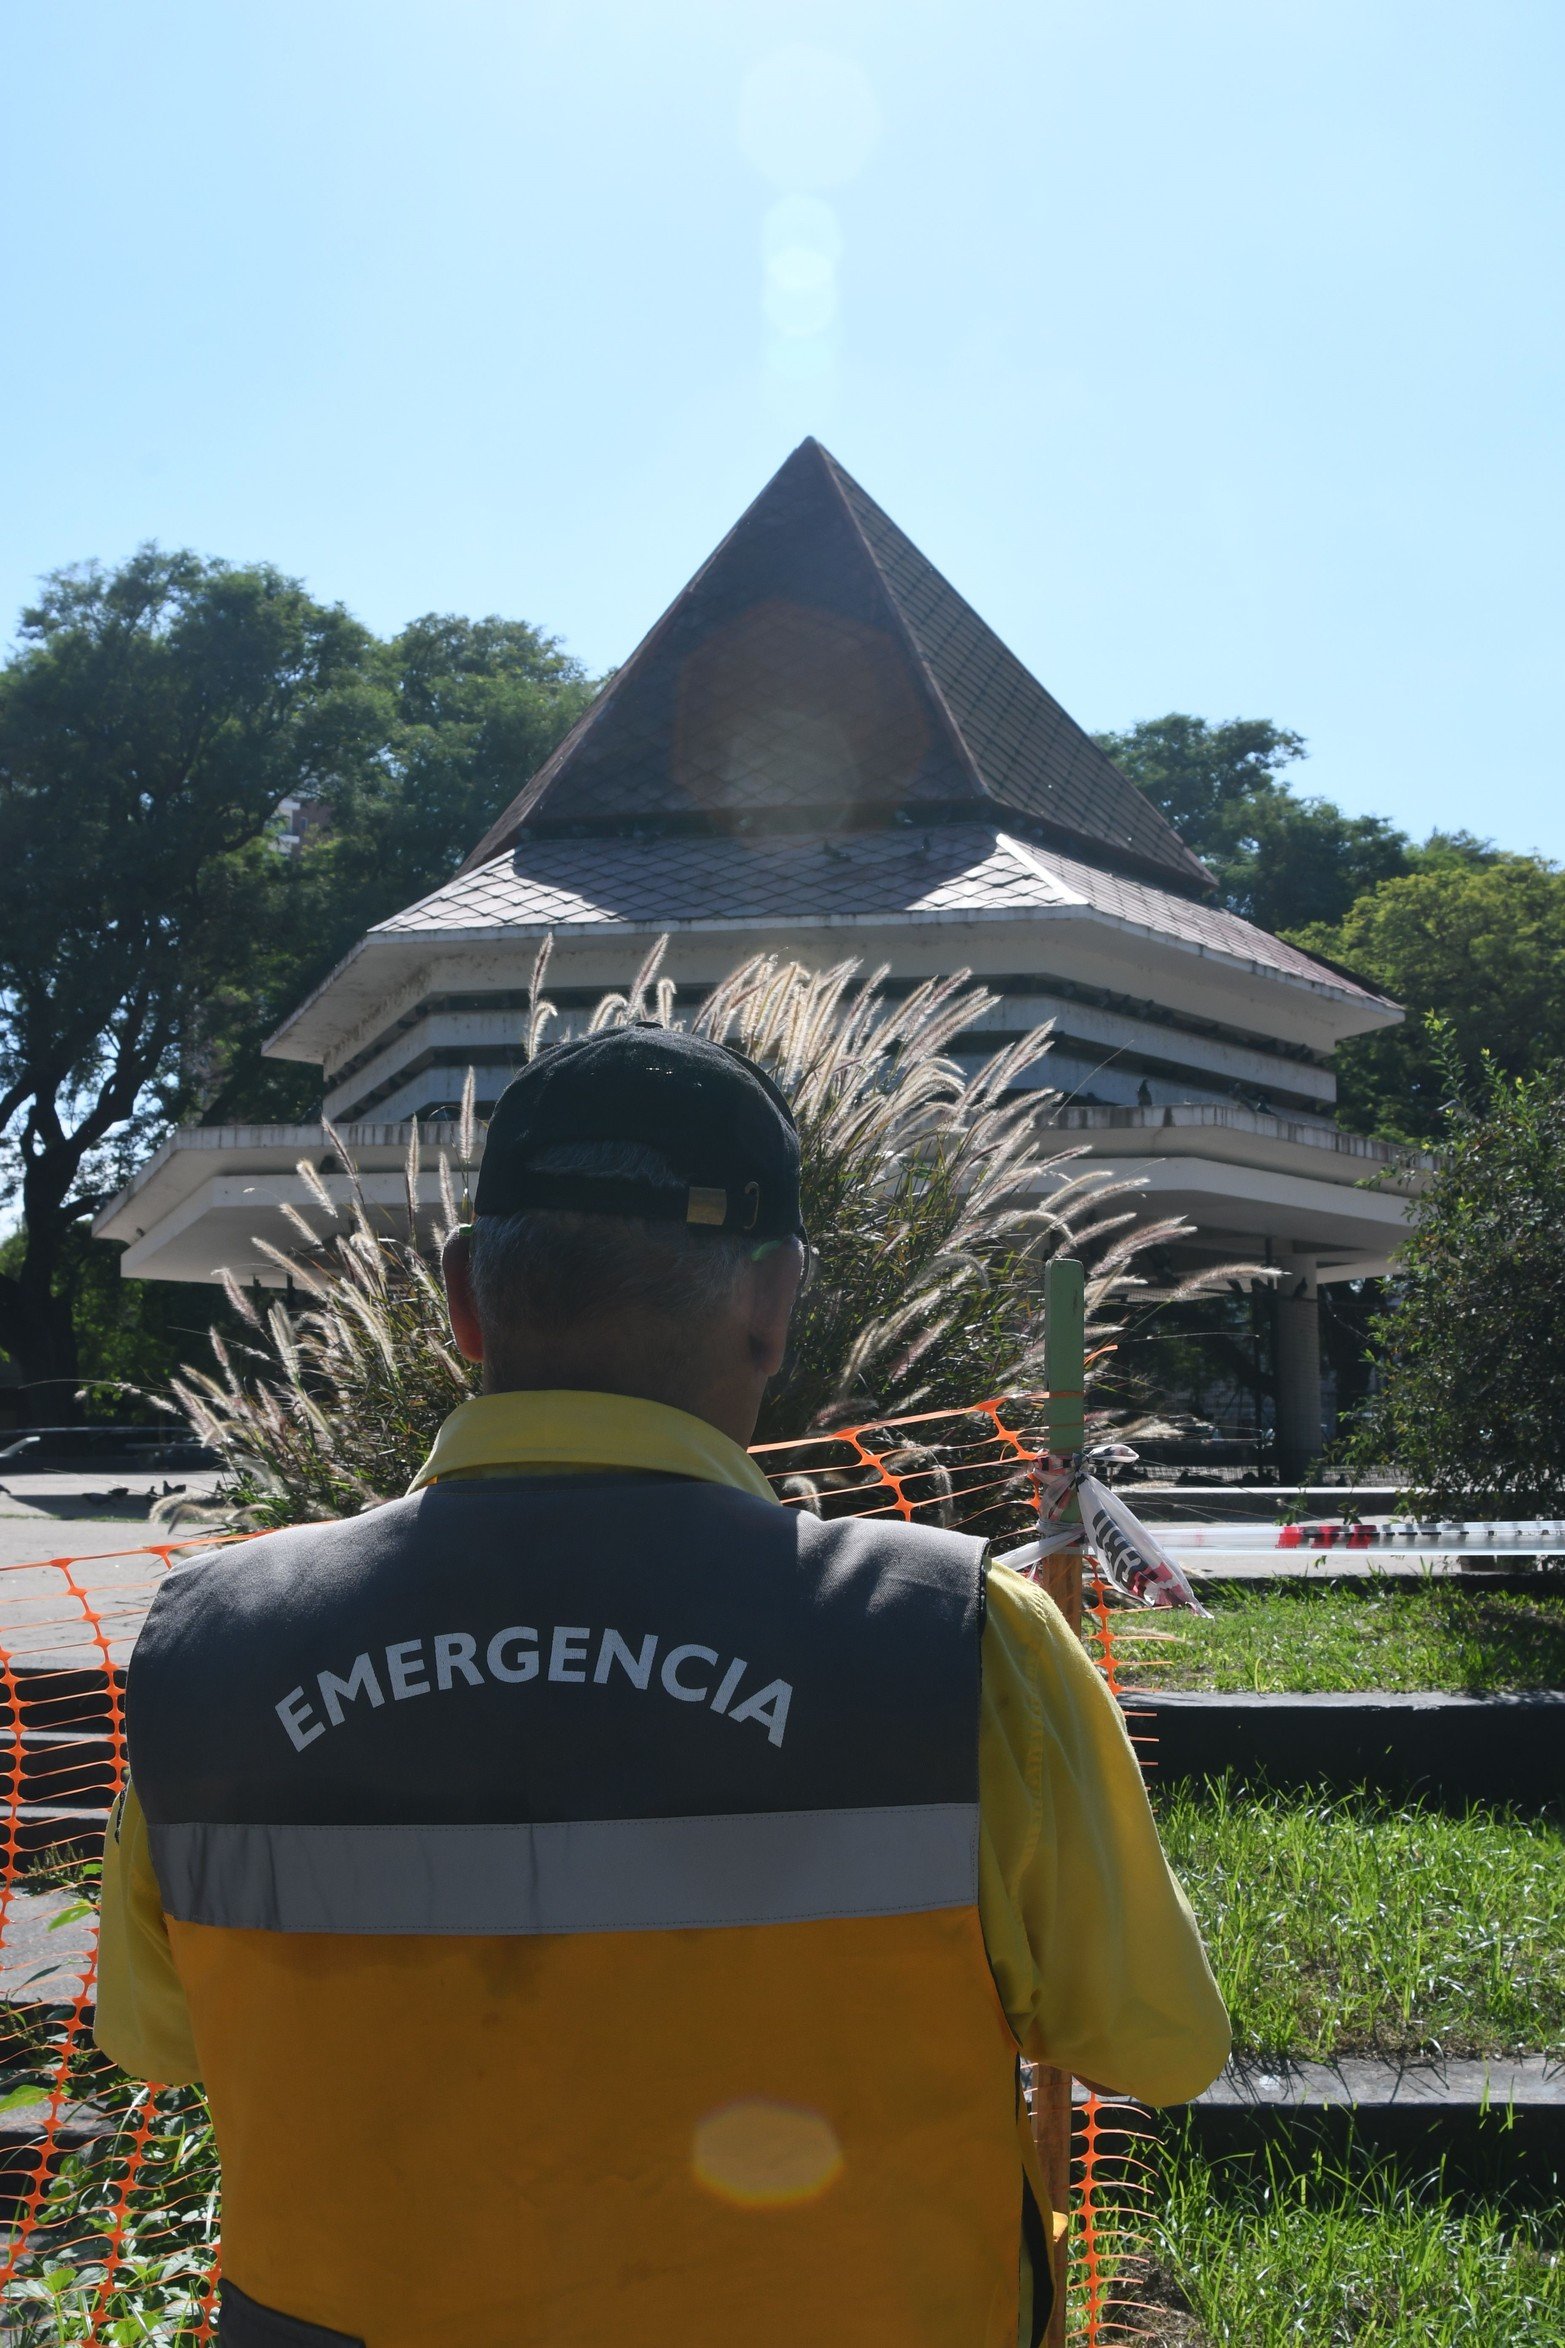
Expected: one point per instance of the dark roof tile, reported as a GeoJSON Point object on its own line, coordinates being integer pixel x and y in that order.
{"type": "Point", "coordinates": [900, 874]}
{"type": "Point", "coordinates": [818, 668]}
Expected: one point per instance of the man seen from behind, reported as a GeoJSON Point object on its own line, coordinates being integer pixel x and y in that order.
{"type": "Point", "coordinates": [604, 1905]}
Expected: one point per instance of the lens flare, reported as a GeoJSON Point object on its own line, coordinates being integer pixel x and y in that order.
{"type": "Point", "coordinates": [766, 2155]}
{"type": "Point", "coordinates": [801, 224]}
{"type": "Point", "coordinates": [801, 244]}
{"type": "Point", "coordinates": [808, 118]}
{"type": "Point", "coordinates": [800, 297]}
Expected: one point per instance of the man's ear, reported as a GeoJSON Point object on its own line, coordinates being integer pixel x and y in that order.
{"type": "Point", "coordinates": [773, 1294]}
{"type": "Point", "coordinates": [456, 1265]}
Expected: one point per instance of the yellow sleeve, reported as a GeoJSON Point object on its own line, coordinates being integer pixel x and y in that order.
{"type": "Point", "coordinates": [141, 2022]}
{"type": "Point", "coordinates": [1091, 1941]}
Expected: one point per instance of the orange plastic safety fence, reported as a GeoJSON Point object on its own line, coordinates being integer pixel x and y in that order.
{"type": "Point", "coordinates": [1111, 2176]}
{"type": "Point", "coordinates": [108, 2188]}
{"type": "Point", "coordinates": [971, 1466]}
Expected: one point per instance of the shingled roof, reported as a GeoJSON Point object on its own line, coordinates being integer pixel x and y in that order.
{"type": "Point", "coordinates": [818, 673]}
{"type": "Point", "coordinates": [959, 872]}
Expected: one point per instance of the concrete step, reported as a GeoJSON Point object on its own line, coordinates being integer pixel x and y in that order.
{"type": "Point", "coordinates": [1365, 1571]}
{"type": "Point", "coordinates": [73, 1693]}
{"type": "Point", "coordinates": [56, 1833]}
{"type": "Point", "coordinates": [1448, 1749]}
{"type": "Point", "coordinates": [51, 1767]}
{"type": "Point", "coordinates": [1414, 2083]}
{"type": "Point", "coordinates": [1495, 2125]}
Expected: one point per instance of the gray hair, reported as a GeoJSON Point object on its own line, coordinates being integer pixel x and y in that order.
{"type": "Point", "coordinates": [548, 1270]}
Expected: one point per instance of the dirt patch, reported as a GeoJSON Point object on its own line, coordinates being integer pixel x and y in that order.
{"type": "Point", "coordinates": [1163, 2316]}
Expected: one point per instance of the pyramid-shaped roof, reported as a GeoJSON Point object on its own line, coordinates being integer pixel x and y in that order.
{"type": "Point", "coordinates": [818, 673]}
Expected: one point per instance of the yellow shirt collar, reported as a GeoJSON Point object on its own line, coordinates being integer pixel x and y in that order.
{"type": "Point", "coordinates": [561, 1428]}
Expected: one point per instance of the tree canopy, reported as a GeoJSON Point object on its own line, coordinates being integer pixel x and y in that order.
{"type": "Point", "coordinates": [1481, 948]}
{"type": "Point", "coordinates": [150, 721]}
{"type": "Point", "coordinates": [1277, 859]}
{"type": "Point", "coordinates": [463, 711]}
{"type": "Point", "coordinates": [1450, 926]}
{"type": "Point", "coordinates": [153, 721]}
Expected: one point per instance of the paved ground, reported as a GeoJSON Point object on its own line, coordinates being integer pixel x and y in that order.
{"type": "Point", "coordinates": [56, 1619]}
{"type": "Point", "coordinates": [26, 1540]}
{"type": "Point", "coordinates": [43, 1959]}
{"type": "Point", "coordinates": [65, 1515]}
{"type": "Point", "coordinates": [76, 1491]}
{"type": "Point", "coordinates": [47, 1611]}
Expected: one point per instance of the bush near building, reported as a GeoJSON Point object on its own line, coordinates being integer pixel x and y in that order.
{"type": "Point", "coordinates": [1471, 1403]}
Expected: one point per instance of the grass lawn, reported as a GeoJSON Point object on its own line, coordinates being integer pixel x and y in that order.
{"type": "Point", "coordinates": [1355, 1926]}
{"type": "Point", "coordinates": [1314, 1639]}
{"type": "Point", "coordinates": [1256, 2257]}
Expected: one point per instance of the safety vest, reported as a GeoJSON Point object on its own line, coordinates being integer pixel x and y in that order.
{"type": "Point", "coordinates": [623, 1833]}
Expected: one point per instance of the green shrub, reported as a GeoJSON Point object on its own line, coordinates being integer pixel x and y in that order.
{"type": "Point", "coordinates": [1471, 1400]}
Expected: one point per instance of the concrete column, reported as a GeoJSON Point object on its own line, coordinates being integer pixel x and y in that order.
{"type": "Point", "coordinates": [1299, 1430]}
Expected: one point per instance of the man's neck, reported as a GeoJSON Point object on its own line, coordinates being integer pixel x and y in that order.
{"type": "Point", "coordinates": [732, 1413]}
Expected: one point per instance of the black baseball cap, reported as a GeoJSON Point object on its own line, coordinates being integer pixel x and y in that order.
{"type": "Point", "coordinates": [719, 1120]}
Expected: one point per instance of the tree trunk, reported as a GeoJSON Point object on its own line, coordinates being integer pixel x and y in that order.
{"type": "Point", "coordinates": [38, 1331]}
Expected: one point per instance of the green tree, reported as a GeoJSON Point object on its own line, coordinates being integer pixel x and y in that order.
{"type": "Point", "coordinates": [1446, 851]}
{"type": "Point", "coordinates": [1475, 938]}
{"type": "Point", "coordinates": [466, 711]}
{"type": "Point", "coordinates": [157, 917]}
{"type": "Point", "coordinates": [1471, 1402]}
{"type": "Point", "coordinates": [480, 705]}
{"type": "Point", "coordinates": [151, 719]}
{"type": "Point", "coordinates": [1277, 859]}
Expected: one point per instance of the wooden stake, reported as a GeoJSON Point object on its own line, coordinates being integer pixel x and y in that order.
{"type": "Point", "coordinates": [1064, 1359]}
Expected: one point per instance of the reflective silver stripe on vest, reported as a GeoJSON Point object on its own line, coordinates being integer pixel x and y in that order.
{"type": "Point", "coordinates": [595, 1875]}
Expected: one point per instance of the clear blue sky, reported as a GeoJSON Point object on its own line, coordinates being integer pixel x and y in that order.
{"type": "Point", "coordinates": [1212, 347]}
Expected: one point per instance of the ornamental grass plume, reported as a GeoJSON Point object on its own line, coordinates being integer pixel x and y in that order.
{"type": "Point", "coordinates": [935, 1198]}
{"type": "Point", "coordinates": [322, 1411]}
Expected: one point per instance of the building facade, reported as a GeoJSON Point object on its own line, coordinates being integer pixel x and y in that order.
{"type": "Point", "coordinates": [822, 751]}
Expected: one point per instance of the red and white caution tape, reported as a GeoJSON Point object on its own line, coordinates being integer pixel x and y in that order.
{"type": "Point", "coordinates": [1130, 1557]}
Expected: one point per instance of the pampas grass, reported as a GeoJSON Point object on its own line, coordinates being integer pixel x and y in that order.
{"type": "Point", "coordinates": [935, 1198]}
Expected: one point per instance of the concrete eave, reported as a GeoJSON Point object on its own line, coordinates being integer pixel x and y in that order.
{"type": "Point", "coordinates": [1250, 1137]}
{"type": "Point", "coordinates": [244, 1174]}
{"type": "Point", "coordinates": [344, 1009]}
{"type": "Point", "coordinates": [1257, 1186]}
{"type": "Point", "coordinates": [201, 1201]}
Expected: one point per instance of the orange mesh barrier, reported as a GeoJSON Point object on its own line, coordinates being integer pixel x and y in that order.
{"type": "Point", "coordinates": [969, 1467]}
{"type": "Point", "coordinates": [109, 2189]}
{"type": "Point", "coordinates": [1111, 2174]}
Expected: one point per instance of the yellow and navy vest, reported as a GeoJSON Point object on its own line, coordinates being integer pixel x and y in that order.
{"type": "Point", "coordinates": [574, 1886]}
